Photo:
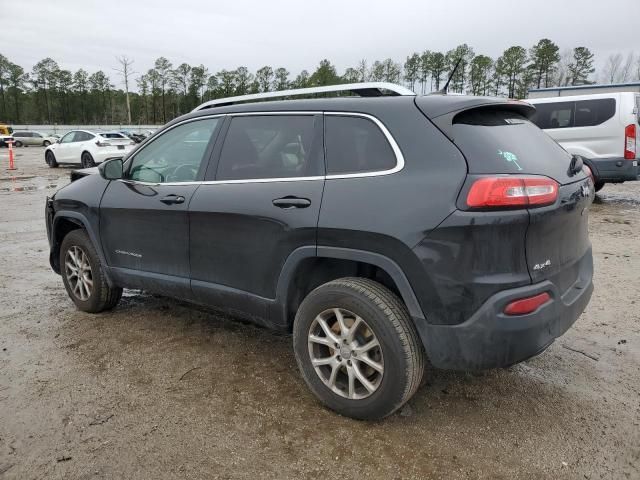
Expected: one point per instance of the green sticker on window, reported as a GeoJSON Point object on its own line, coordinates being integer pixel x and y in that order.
{"type": "Point", "coordinates": [510, 157]}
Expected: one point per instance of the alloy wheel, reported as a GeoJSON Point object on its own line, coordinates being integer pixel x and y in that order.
{"type": "Point", "coordinates": [345, 353]}
{"type": "Point", "coordinates": [78, 272]}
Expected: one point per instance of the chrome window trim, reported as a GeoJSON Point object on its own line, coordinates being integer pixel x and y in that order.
{"type": "Point", "coordinates": [392, 142]}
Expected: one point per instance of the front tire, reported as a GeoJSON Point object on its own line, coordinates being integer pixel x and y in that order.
{"type": "Point", "coordinates": [598, 186]}
{"type": "Point", "coordinates": [86, 160]}
{"type": "Point", "coordinates": [18, 143]}
{"type": "Point", "coordinates": [46, 143]}
{"type": "Point", "coordinates": [83, 276]}
{"type": "Point", "coordinates": [50, 158]}
{"type": "Point", "coordinates": [357, 348]}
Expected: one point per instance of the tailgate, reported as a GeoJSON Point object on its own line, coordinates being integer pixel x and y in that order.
{"type": "Point", "coordinates": [557, 238]}
{"type": "Point", "coordinates": [504, 143]}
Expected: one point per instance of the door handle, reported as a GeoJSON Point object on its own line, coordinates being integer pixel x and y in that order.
{"type": "Point", "coordinates": [289, 202]}
{"type": "Point", "coordinates": [172, 199]}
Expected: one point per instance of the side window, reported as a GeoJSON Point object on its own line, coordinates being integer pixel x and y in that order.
{"type": "Point", "coordinates": [356, 145]}
{"type": "Point", "coordinates": [554, 115]}
{"type": "Point", "coordinates": [594, 112]}
{"type": "Point", "coordinates": [270, 146]}
{"type": "Point", "coordinates": [69, 137]}
{"type": "Point", "coordinates": [174, 156]}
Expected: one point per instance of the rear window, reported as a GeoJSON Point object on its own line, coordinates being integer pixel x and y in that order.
{"type": "Point", "coordinates": [500, 141]}
{"type": "Point", "coordinates": [594, 112]}
{"type": "Point", "coordinates": [355, 145]}
{"type": "Point", "coordinates": [270, 146]}
{"type": "Point", "coordinates": [583, 113]}
{"type": "Point", "coordinates": [82, 137]}
{"type": "Point", "coordinates": [112, 135]}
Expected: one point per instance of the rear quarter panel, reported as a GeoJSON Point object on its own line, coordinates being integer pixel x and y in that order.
{"type": "Point", "coordinates": [390, 214]}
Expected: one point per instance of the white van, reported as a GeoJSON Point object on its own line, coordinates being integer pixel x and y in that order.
{"type": "Point", "coordinates": [602, 128]}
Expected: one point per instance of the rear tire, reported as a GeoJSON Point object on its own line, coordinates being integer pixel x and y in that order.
{"type": "Point", "coordinates": [391, 371]}
{"type": "Point", "coordinates": [50, 158]}
{"type": "Point", "coordinates": [83, 276]}
{"type": "Point", "coordinates": [86, 160]}
{"type": "Point", "coordinates": [18, 143]}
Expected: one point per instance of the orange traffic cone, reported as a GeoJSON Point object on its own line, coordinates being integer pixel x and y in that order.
{"type": "Point", "coordinates": [11, 164]}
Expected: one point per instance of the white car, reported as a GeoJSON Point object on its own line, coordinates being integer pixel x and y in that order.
{"type": "Point", "coordinates": [603, 128]}
{"type": "Point", "coordinates": [87, 148]}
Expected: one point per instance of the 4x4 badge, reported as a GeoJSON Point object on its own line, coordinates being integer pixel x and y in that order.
{"type": "Point", "coordinates": [540, 266]}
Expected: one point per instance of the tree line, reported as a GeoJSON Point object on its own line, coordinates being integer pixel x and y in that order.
{"type": "Point", "coordinates": [50, 94]}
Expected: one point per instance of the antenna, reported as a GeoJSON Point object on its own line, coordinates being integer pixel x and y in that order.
{"type": "Point", "coordinates": [453, 72]}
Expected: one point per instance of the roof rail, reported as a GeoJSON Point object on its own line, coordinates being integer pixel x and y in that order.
{"type": "Point", "coordinates": [365, 89]}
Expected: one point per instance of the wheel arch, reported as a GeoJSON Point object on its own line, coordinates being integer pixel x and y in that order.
{"type": "Point", "coordinates": [65, 222]}
{"type": "Point", "coordinates": [308, 267]}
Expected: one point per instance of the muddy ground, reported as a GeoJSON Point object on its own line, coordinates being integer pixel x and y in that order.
{"type": "Point", "coordinates": [157, 389]}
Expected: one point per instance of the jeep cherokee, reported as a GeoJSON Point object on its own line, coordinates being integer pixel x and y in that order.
{"type": "Point", "coordinates": [381, 230]}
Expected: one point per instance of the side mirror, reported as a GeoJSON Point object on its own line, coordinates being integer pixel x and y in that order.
{"type": "Point", "coordinates": [111, 169]}
{"type": "Point", "coordinates": [576, 164]}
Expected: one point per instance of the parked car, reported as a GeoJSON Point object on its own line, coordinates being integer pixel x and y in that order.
{"type": "Point", "coordinates": [136, 137]}
{"type": "Point", "coordinates": [27, 138]}
{"type": "Point", "coordinates": [357, 224]}
{"type": "Point", "coordinates": [87, 148]}
{"type": "Point", "coordinates": [6, 136]}
{"type": "Point", "coordinates": [602, 128]}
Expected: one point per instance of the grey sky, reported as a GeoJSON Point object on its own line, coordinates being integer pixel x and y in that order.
{"type": "Point", "coordinates": [298, 34]}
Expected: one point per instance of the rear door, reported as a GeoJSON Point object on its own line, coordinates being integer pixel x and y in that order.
{"type": "Point", "coordinates": [35, 139]}
{"type": "Point", "coordinates": [144, 222]}
{"type": "Point", "coordinates": [498, 141]}
{"type": "Point", "coordinates": [260, 204]}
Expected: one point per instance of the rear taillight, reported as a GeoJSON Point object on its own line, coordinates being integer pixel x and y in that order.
{"type": "Point", "coordinates": [512, 191]}
{"type": "Point", "coordinates": [102, 143]}
{"type": "Point", "coordinates": [527, 305]}
{"type": "Point", "coordinates": [630, 142]}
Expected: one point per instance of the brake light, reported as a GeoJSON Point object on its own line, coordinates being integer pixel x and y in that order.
{"type": "Point", "coordinates": [102, 143]}
{"type": "Point", "coordinates": [512, 191]}
{"type": "Point", "coordinates": [630, 142]}
{"type": "Point", "coordinates": [527, 305]}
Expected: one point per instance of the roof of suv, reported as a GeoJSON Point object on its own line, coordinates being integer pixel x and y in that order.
{"type": "Point", "coordinates": [433, 105]}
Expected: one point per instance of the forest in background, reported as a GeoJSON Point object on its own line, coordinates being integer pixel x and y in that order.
{"type": "Point", "coordinates": [50, 94]}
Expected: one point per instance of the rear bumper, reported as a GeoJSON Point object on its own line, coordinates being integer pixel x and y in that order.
{"type": "Point", "coordinates": [491, 339]}
{"type": "Point", "coordinates": [104, 153]}
{"type": "Point", "coordinates": [614, 169]}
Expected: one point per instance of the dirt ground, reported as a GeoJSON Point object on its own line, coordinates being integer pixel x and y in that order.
{"type": "Point", "coordinates": [159, 389]}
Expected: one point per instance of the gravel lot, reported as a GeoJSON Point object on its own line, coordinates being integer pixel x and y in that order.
{"type": "Point", "coordinates": [159, 389]}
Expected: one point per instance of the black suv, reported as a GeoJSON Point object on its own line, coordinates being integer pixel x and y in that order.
{"type": "Point", "coordinates": [380, 231]}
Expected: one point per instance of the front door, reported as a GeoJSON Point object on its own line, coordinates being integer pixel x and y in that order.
{"type": "Point", "coordinates": [144, 223]}
{"type": "Point", "coordinates": [64, 149]}
{"type": "Point", "coordinates": [263, 204]}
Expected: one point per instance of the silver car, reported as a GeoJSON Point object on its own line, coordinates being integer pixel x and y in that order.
{"type": "Point", "coordinates": [33, 138]}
